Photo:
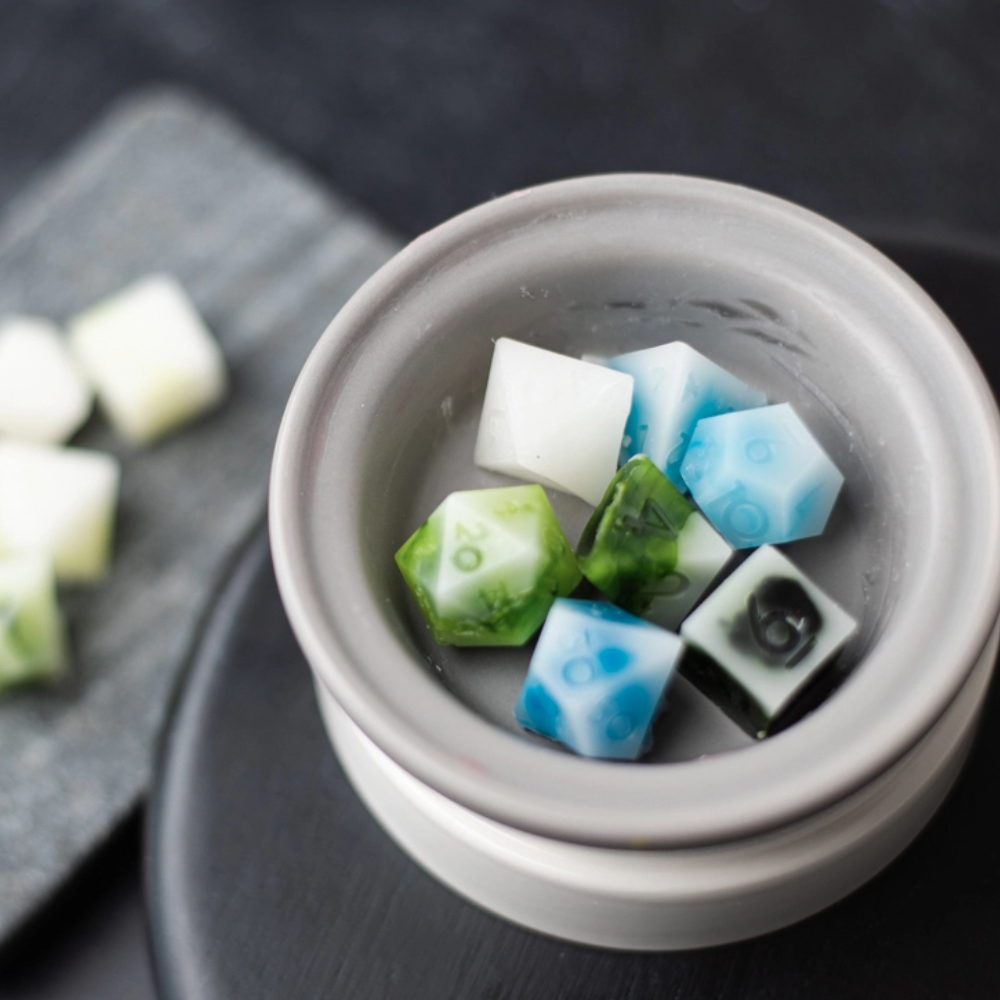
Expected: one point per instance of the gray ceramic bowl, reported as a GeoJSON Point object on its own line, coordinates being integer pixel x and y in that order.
{"type": "Point", "coordinates": [381, 427]}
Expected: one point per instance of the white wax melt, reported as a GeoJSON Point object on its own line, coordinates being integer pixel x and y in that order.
{"type": "Point", "coordinates": [60, 502]}
{"type": "Point", "coordinates": [152, 359]}
{"type": "Point", "coordinates": [553, 420]}
{"type": "Point", "coordinates": [43, 395]}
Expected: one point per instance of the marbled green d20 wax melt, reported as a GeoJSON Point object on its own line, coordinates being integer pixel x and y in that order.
{"type": "Point", "coordinates": [647, 549]}
{"type": "Point", "coordinates": [486, 566]}
{"type": "Point", "coordinates": [761, 638]}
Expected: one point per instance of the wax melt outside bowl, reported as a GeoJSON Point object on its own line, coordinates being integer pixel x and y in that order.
{"type": "Point", "coordinates": [711, 839]}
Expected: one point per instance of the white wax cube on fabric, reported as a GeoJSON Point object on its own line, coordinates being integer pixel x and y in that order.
{"type": "Point", "coordinates": [61, 502]}
{"type": "Point", "coordinates": [43, 395]}
{"type": "Point", "coordinates": [32, 632]}
{"type": "Point", "coordinates": [766, 631]}
{"type": "Point", "coordinates": [597, 679]}
{"type": "Point", "coordinates": [761, 477]}
{"type": "Point", "coordinates": [675, 387]}
{"type": "Point", "coordinates": [553, 420]}
{"type": "Point", "coordinates": [153, 361]}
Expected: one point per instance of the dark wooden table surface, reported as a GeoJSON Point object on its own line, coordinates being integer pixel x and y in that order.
{"type": "Point", "coordinates": [864, 110]}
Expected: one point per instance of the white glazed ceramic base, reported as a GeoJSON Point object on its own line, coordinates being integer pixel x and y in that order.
{"type": "Point", "coordinates": [664, 899]}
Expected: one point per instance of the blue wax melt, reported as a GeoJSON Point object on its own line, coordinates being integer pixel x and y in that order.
{"type": "Point", "coordinates": [760, 477]}
{"type": "Point", "coordinates": [674, 388]}
{"type": "Point", "coordinates": [597, 679]}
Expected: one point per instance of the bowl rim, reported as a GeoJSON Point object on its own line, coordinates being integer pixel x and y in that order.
{"type": "Point", "coordinates": [689, 809]}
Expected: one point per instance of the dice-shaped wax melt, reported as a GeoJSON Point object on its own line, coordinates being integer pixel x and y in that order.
{"type": "Point", "coordinates": [597, 679]}
{"type": "Point", "coordinates": [675, 387]}
{"type": "Point", "coordinates": [762, 636]}
{"type": "Point", "coordinates": [486, 566]}
{"type": "Point", "coordinates": [60, 502]}
{"type": "Point", "coordinates": [153, 361]}
{"type": "Point", "coordinates": [760, 476]}
{"type": "Point", "coordinates": [43, 395]}
{"type": "Point", "coordinates": [647, 549]}
{"type": "Point", "coordinates": [32, 632]}
{"type": "Point", "coordinates": [552, 419]}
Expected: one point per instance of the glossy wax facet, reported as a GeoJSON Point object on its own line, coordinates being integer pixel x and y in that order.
{"type": "Point", "coordinates": [675, 387]}
{"type": "Point", "coordinates": [597, 679]}
{"type": "Point", "coordinates": [761, 477]}
{"type": "Point", "coordinates": [761, 637]}
{"type": "Point", "coordinates": [646, 547]}
{"type": "Point", "coordinates": [486, 566]}
{"type": "Point", "coordinates": [552, 420]}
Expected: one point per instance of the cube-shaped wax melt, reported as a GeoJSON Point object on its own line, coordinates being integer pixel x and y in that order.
{"type": "Point", "coordinates": [152, 359]}
{"type": "Point", "coordinates": [32, 632]}
{"type": "Point", "coordinates": [61, 502]}
{"type": "Point", "coordinates": [553, 420]}
{"type": "Point", "coordinates": [761, 477]}
{"type": "Point", "coordinates": [675, 387]}
{"type": "Point", "coordinates": [486, 566]}
{"type": "Point", "coordinates": [597, 679]}
{"type": "Point", "coordinates": [43, 395]}
{"type": "Point", "coordinates": [647, 549]}
{"type": "Point", "coordinates": [764, 634]}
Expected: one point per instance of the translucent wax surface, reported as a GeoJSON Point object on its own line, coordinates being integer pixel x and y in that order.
{"type": "Point", "coordinates": [647, 549]}
{"type": "Point", "coordinates": [486, 566]}
{"type": "Point", "coordinates": [761, 477]}
{"type": "Point", "coordinates": [675, 387]}
{"type": "Point", "coordinates": [597, 679]}
{"type": "Point", "coordinates": [552, 420]}
{"type": "Point", "coordinates": [763, 635]}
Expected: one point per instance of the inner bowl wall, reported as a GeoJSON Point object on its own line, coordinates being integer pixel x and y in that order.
{"type": "Point", "coordinates": [786, 302]}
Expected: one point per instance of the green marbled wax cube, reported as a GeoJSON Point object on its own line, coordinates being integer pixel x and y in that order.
{"type": "Point", "coordinates": [647, 549]}
{"type": "Point", "coordinates": [32, 632]}
{"type": "Point", "coordinates": [486, 566]}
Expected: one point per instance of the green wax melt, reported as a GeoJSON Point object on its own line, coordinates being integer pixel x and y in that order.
{"type": "Point", "coordinates": [32, 634]}
{"type": "Point", "coordinates": [647, 549]}
{"type": "Point", "coordinates": [486, 566]}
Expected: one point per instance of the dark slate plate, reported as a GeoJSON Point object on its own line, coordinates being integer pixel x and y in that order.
{"type": "Point", "coordinates": [164, 182]}
{"type": "Point", "coordinates": [267, 877]}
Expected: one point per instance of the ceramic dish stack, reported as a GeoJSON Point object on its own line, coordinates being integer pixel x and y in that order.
{"type": "Point", "coordinates": [711, 839]}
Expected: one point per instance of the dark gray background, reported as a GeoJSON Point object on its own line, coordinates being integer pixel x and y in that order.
{"type": "Point", "coordinates": [420, 108]}
{"type": "Point", "coordinates": [863, 109]}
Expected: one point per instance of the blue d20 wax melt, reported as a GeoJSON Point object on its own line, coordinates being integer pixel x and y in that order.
{"type": "Point", "coordinates": [597, 679]}
{"type": "Point", "coordinates": [760, 477]}
{"type": "Point", "coordinates": [674, 388]}
{"type": "Point", "coordinates": [761, 637]}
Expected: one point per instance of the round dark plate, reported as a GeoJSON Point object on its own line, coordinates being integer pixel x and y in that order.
{"type": "Point", "coordinates": [266, 876]}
